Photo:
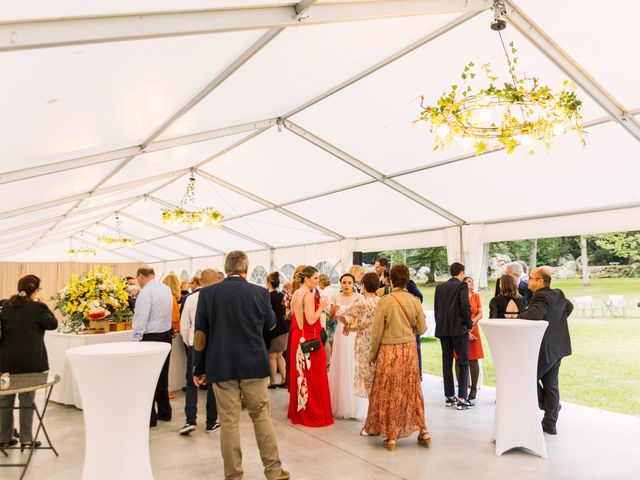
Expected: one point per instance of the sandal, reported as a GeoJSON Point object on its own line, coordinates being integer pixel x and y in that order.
{"type": "Point", "coordinates": [30, 445]}
{"type": "Point", "coordinates": [424, 439]}
{"type": "Point", "coordinates": [388, 445]}
{"type": "Point", "coordinates": [364, 433]}
{"type": "Point", "coordinates": [10, 443]}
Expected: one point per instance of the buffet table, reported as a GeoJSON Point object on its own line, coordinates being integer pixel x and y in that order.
{"type": "Point", "coordinates": [67, 391]}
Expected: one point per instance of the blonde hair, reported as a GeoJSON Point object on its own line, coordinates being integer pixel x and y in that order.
{"type": "Point", "coordinates": [295, 281]}
{"type": "Point", "coordinates": [357, 271]}
{"type": "Point", "coordinates": [324, 280]}
{"type": "Point", "coordinates": [173, 282]}
{"type": "Point", "coordinates": [184, 285]}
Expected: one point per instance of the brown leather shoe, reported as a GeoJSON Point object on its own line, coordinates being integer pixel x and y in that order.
{"type": "Point", "coordinates": [283, 475]}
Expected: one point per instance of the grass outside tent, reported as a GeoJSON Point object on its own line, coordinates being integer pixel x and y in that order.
{"type": "Point", "coordinates": [604, 370]}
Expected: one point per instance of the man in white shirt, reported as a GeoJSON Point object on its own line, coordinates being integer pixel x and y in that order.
{"type": "Point", "coordinates": [152, 323]}
{"type": "Point", "coordinates": [187, 326]}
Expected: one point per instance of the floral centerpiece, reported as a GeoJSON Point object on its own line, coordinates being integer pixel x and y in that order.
{"type": "Point", "coordinates": [97, 289]}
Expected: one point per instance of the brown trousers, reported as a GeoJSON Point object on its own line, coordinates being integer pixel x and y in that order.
{"type": "Point", "coordinates": [256, 398]}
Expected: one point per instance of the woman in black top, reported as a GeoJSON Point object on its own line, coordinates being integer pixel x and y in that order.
{"type": "Point", "coordinates": [24, 319]}
{"type": "Point", "coordinates": [277, 341]}
{"type": "Point", "coordinates": [509, 303]}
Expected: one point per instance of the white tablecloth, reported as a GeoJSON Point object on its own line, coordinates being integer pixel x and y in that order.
{"type": "Point", "coordinates": [67, 391]}
{"type": "Point", "coordinates": [117, 404]}
{"type": "Point", "coordinates": [515, 345]}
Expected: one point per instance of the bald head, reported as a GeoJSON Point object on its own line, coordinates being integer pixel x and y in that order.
{"type": "Point", "coordinates": [208, 277]}
{"type": "Point", "coordinates": [540, 278]}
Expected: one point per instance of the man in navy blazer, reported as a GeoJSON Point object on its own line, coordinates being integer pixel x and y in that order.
{"type": "Point", "coordinates": [551, 305]}
{"type": "Point", "coordinates": [230, 354]}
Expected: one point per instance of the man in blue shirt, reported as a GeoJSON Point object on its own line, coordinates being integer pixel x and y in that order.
{"type": "Point", "coordinates": [230, 354]}
{"type": "Point", "coordinates": [152, 323]}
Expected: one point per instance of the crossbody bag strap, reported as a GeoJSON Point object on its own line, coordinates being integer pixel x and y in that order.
{"type": "Point", "coordinates": [406, 315]}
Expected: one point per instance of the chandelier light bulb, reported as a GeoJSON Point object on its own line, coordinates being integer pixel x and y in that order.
{"type": "Point", "coordinates": [558, 129]}
{"type": "Point", "coordinates": [467, 142]}
{"type": "Point", "coordinates": [443, 130]}
{"type": "Point", "coordinates": [484, 114]}
{"type": "Point", "coordinates": [526, 140]}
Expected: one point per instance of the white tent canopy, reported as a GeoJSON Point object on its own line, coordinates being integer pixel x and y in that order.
{"type": "Point", "coordinates": [297, 120]}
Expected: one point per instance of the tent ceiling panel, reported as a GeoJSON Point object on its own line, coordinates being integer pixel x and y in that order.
{"type": "Point", "coordinates": [109, 95]}
{"type": "Point", "coordinates": [568, 178]}
{"type": "Point", "coordinates": [369, 210]}
{"type": "Point", "coordinates": [276, 229]}
{"type": "Point", "coordinates": [93, 216]}
{"type": "Point", "coordinates": [99, 200]}
{"type": "Point", "coordinates": [229, 203]}
{"type": "Point", "coordinates": [50, 187]}
{"type": "Point", "coordinates": [33, 217]}
{"type": "Point", "coordinates": [219, 239]}
{"type": "Point", "coordinates": [25, 232]}
{"type": "Point", "coordinates": [57, 252]}
{"type": "Point", "coordinates": [188, 249]}
{"type": "Point", "coordinates": [152, 250]}
{"type": "Point", "coordinates": [272, 153]}
{"type": "Point", "coordinates": [134, 228]}
{"type": "Point", "coordinates": [300, 64]}
{"type": "Point", "coordinates": [34, 9]}
{"type": "Point", "coordinates": [611, 59]}
{"type": "Point", "coordinates": [171, 159]}
{"type": "Point", "coordinates": [382, 107]}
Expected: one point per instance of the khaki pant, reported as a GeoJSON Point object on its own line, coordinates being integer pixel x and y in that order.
{"type": "Point", "coordinates": [256, 398]}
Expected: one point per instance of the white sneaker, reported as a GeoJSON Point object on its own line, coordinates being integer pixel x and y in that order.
{"type": "Point", "coordinates": [187, 429]}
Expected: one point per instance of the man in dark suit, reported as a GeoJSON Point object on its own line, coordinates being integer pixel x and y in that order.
{"type": "Point", "coordinates": [453, 324]}
{"type": "Point", "coordinates": [550, 305]}
{"type": "Point", "coordinates": [230, 355]}
{"type": "Point", "coordinates": [517, 272]}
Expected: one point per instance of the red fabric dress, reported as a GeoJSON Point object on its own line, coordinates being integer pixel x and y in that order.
{"type": "Point", "coordinates": [475, 346]}
{"type": "Point", "coordinates": [317, 411]}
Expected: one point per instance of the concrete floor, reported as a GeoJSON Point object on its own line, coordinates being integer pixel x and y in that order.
{"type": "Point", "coordinates": [591, 444]}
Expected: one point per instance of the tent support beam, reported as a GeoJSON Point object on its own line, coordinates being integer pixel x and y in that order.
{"type": "Point", "coordinates": [269, 205]}
{"type": "Point", "coordinates": [56, 32]}
{"type": "Point", "coordinates": [154, 146]}
{"type": "Point", "coordinates": [570, 67]}
{"type": "Point", "coordinates": [364, 168]}
{"type": "Point", "coordinates": [140, 241]}
{"type": "Point", "coordinates": [95, 245]}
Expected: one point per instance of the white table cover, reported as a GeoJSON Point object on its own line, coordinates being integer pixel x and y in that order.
{"type": "Point", "coordinates": [515, 345]}
{"type": "Point", "coordinates": [117, 382]}
{"type": "Point", "coordinates": [67, 391]}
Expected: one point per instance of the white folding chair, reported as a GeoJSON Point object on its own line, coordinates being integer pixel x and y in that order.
{"type": "Point", "coordinates": [616, 306]}
{"type": "Point", "coordinates": [585, 303]}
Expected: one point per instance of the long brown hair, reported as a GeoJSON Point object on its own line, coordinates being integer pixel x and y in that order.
{"type": "Point", "coordinates": [508, 287]}
{"type": "Point", "coordinates": [26, 286]}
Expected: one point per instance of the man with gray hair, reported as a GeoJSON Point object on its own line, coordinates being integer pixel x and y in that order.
{"type": "Point", "coordinates": [550, 305]}
{"type": "Point", "coordinates": [230, 354]}
{"type": "Point", "coordinates": [515, 270]}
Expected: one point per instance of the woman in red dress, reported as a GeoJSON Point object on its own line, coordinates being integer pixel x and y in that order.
{"type": "Point", "coordinates": [309, 399]}
{"type": "Point", "coordinates": [475, 342]}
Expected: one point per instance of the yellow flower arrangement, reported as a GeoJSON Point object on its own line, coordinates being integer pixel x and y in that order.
{"type": "Point", "coordinates": [98, 288]}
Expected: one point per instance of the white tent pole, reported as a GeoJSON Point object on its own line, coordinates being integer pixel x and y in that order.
{"type": "Point", "coordinates": [268, 204]}
{"type": "Point", "coordinates": [55, 32]}
{"type": "Point", "coordinates": [172, 233]}
{"type": "Point", "coordinates": [363, 167]}
{"type": "Point", "coordinates": [570, 67]}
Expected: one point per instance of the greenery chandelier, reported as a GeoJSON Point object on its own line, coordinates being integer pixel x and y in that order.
{"type": "Point", "coordinates": [82, 251]}
{"type": "Point", "coordinates": [521, 112]}
{"type": "Point", "coordinates": [185, 213]}
{"type": "Point", "coordinates": [106, 241]}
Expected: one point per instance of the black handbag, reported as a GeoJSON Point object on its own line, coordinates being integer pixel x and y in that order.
{"type": "Point", "coordinates": [310, 345]}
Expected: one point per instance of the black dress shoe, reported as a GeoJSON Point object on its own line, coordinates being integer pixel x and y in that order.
{"type": "Point", "coordinates": [551, 430]}
{"type": "Point", "coordinates": [273, 386]}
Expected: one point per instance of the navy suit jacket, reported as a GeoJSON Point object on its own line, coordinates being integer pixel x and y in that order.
{"type": "Point", "coordinates": [451, 309]}
{"type": "Point", "coordinates": [231, 318]}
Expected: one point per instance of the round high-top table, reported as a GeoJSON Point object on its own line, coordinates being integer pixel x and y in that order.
{"type": "Point", "coordinates": [117, 382]}
{"type": "Point", "coordinates": [515, 345]}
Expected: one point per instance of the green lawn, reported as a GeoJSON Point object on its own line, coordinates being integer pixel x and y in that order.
{"type": "Point", "coordinates": [604, 370]}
